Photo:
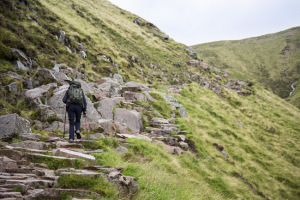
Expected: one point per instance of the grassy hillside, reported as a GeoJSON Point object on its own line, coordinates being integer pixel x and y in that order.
{"type": "Point", "coordinates": [259, 132]}
{"type": "Point", "coordinates": [273, 59]}
{"type": "Point", "coordinates": [263, 156]}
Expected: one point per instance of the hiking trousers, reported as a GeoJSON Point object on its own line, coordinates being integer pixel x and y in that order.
{"type": "Point", "coordinates": [74, 110]}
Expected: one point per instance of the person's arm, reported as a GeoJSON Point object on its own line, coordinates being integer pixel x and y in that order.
{"type": "Point", "coordinates": [65, 99]}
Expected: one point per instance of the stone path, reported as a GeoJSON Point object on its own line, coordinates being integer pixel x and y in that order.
{"type": "Point", "coordinates": [23, 177]}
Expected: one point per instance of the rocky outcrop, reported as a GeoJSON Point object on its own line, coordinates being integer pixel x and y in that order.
{"type": "Point", "coordinates": [12, 126]}
{"type": "Point", "coordinates": [134, 96]}
{"type": "Point", "coordinates": [132, 119]}
{"type": "Point", "coordinates": [175, 103]}
{"type": "Point", "coordinates": [106, 106]}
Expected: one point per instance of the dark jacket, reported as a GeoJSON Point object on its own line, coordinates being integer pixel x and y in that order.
{"type": "Point", "coordinates": [65, 99]}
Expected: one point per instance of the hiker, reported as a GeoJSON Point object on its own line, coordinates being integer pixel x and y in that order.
{"type": "Point", "coordinates": [75, 105]}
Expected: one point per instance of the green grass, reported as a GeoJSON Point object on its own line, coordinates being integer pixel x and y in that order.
{"type": "Point", "coordinates": [95, 184]}
{"type": "Point", "coordinates": [261, 59]}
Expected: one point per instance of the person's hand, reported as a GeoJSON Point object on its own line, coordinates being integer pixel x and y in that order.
{"type": "Point", "coordinates": [84, 113]}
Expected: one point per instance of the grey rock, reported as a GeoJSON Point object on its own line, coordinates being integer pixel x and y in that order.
{"type": "Point", "coordinates": [106, 107]}
{"type": "Point", "coordinates": [110, 87]}
{"type": "Point", "coordinates": [45, 112]}
{"type": "Point", "coordinates": [182, 137]}
{"type": "Point", "coordinates": [157, 121]}
{"type": "Point", "coordinates": [14, 75]}
{"type": "Point", "coordinates": [170, 99]}
{"type": "Point", "coordinates": [107, 125]}
{"type": "Point", "coordinates": [30, 136]}
{"type": "Point", "coordinates": [134, 96]}
{"type": "Point", "coordinates": [53, 75]}
{"type": "Point", "coordinates": [13, 125]}
{"type": "Point", "coordinates": [95, 127]}
{"type": "Point", "coordinates": [138, 22]}
{"type": "Point", "coordinates": [193, 54]}
{"type": "Point", "coordinates": [99, 95]}
{"type": "Point", "coordinates": [155, 32]}
{"type": "Point", "coordinates": [121, 149]}
{"type": "Point", "coordinates": [238, 123]}
{"type": "Point", "coordinates": [132, 119]}
{"type": "Point", "coordinates": [13, 87]}
{"type": "Point", "coordinates": [119, 78]}
{"type": "Point", "coordinates": [184, 145]}
{"type": "Point", "coordinates": [103, 57]}
{"type": "Point", "coordinates": [62, 36]}
{"type": "Point", "coordinates": [138, 85]}
{"type": "Point", "coordinates": [57, 66]}
{"type": "Point", "coordinates": [97, 136]}
{"type": "Point", "coordinates": [165, 37]}
{"type": "Point", "coordinates": [28, 83]}
{"type": "Point", "coordinates": [31, 145]}
{"type": "Point", "coordinates": [6, 163]}
{"type": "Point", "coordinates": [177, 151]}
{"type": "Point", "coordinates": [224, 153]}
{"type": "Point", "coordinates": [73, 154]}
{"type": "Point", "coordinates": [19, 65]}
{"type": "Point", "coordinates": [55, 193]}
{"type": "Point", "coordinates": [19, 53]}
{"type": "Point", "coordinates": [82, 54]}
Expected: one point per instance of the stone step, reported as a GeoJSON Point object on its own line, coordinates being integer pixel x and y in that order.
{"type": "Point", "coordinates": [12, 186]}
{"type": "Point", "coordinates": [137, 136]}
{"type": "Point", "coordinates": [15, 177]}
{"type": "Point", "coordinates": [105, 170]}
{"type": "Point", "coordinates": [32, 183]}
{"type": "Point", "coordinates": [72, 154]}
{"type": "Point", "coordinates": [28, 150]}
{"type": "Point", "coordinates": [157, 131]}
{"type": "Point", "coordinates": [31, 172]}
{"type": "Point", "coordinates": [55, 193]}
{"type": "Point", "coordinates": [16, 195]}
{"type": "Point", "coordinates": [6, 189]}
{"type": "Point", "coordinates": [61, 144]}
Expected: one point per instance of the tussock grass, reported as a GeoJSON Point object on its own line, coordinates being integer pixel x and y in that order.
{"type": "Point", "coordinates": [260, 59]}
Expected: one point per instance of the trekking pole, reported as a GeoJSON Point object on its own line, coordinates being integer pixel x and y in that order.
{"type": "Point", "coordinates": [65, 124]}
{"type": "Point", "coordinates": [87, 132]}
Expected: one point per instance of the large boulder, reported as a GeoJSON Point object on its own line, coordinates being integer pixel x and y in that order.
{"type": "Point", "coordinates": [33, 96]}
{"type": "Point", "coordinates": [6, 163]}
{"type": "Point", "coordinates": [19, 65]}
{"type": "Point", "coordinates": [107, 125]}
{"type": "Point", "coordinates": [110, 87]}
{"type": "Point", "coordinates": [53, 75]}
{"type": "Point", "coordinates": [119, 78]}
{"type": "Point", "coordinates": [13, 87]}
{"type": "Point", "coordinates": [45, 112]}
{"type": "Point", "coordinates": [131, 118]}
{"type": "Point", "coordinates": [138, 85]}
{"type": "Point", "coordinates": [106, 107]}
{"type": "Point", "coordinates": [13, 125]}
{"type": "Point", "coordinates": [194, 63]}
{"type": "Point", "coordinates": [134, 96]}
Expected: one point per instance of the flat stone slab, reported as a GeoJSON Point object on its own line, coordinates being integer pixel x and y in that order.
{"type": "Point", "coordinates": [137, 136]}
{"type": "Point", "coordinates": [27, 150]}
{"type": "Point", "coordinates": [72, 154]}
{"type": "Point", "coordinates": [35, 183]}
{"type": "Point", "coordinates": [16, 195]}
{"type": "Point", "coordinates": [94, 151]}
{"type": "Point", "coordinates": [61, 144]}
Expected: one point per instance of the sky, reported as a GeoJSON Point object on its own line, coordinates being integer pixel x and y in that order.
{"type": "Point", "coordinates": [200, 21]}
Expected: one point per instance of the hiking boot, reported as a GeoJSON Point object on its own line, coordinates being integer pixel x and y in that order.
{"type": "Point", "coordinates": [78, 134]}
{"type": "Point", "coordinates": [71, 141]}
